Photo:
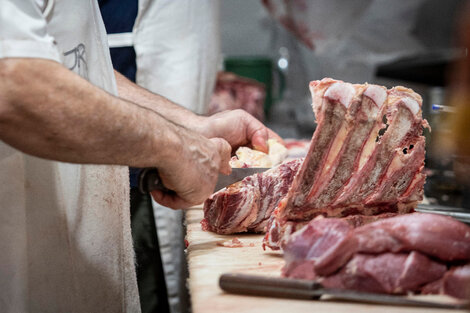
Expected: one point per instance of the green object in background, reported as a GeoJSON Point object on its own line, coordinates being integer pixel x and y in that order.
{"type": "Point", "coordinates": [260, 69]}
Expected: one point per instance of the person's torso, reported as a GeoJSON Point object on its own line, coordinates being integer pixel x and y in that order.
{"type": "Point", "coordinates": [64, 228]}
{"type": "Point", "coordinates": [83, 46]}
{"type": "Point", "coordinates": [177, 50]}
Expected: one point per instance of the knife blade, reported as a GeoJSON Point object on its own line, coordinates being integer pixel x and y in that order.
{"type": "Point", "coordinates": [256, 285]}
{"type": "Point", "coordinates": [149, 178]}
{"type": "Point", "coordinates": [237, 175]}
{"type": "Point", "coordinates": [459, 214]}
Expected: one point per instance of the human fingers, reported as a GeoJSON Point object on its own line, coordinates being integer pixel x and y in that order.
{"type": "Point", "coordinates": [259, 139]}
{"type": "Point", "coordinates": [224, 149]}
{"type": "Point", "coordinates": [170, 200]}
{"type": "Point", "coordinates": [258, 134]}
{"type": "Point", "coordinates": [275, 136]}
{"type": "Point", "coordinates": [239, 128]}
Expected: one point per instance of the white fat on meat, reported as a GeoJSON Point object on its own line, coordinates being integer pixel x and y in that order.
{"type": "Point", "coordinates": [341, 92]}
{"type": "Point", "coordinates": [247, 157]}
{"type": "Point", "coordinates": [378, 94]}
{"type": "Point", "coordinates": [411, 104]}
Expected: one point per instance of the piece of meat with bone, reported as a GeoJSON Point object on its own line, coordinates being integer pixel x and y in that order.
{"type": "Point", "coordinates": [400, 254]}
{"type": "Point", "coordinates": [247, 205]}
{"type": "Point", "coordinates": [366, 157]}
{"type": "Point", "coordinates": [390, 169]}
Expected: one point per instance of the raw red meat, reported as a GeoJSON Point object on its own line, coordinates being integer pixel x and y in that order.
{"type": "Point", "coordinates": [317, 243]}
{"type": "Point", "coordinates": [456, 282]}
{"type": "Point", "coordinates": [277, 235]}
{"type": "Point", "coordinates": [236, 92]}
{"type": "Point", "coordinates": [247, 205]}
{"type": "Point", "coordinates": [356, 164]}
{"type": "Point", "coordinates": [395, 273]}
{"type": "Point", "coordinates": [438, 236]}
{"type": "Point", "coordinates": [404, 253]}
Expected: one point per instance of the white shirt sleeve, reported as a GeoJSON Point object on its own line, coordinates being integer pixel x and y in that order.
{"type": "Point", "coordinates": [23, 31]}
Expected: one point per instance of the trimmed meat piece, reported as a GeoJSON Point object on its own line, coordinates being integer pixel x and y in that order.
{"type": "Point", "coordinates": [248, 204]}
{"type": "Point", "coordinates": [409, 252]}
{"type": "Point", "coordinates": [441, 237]}
{"type": "Point", "coordinates": [386, 273]}
{"type": "Point", "coordinates": [457, 282]}
{"type": "Point", "coordinates": [277, 235]}
{"type": "Point", "coordinates": [317, 243]}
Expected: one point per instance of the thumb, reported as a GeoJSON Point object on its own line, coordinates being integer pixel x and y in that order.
{"type": "Point", "coordinates": [259, 140]}
{"type": "Point", "coordinates": [225, 150]}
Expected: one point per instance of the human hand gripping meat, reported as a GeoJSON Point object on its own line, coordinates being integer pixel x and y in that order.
{"type": "Point", "coordinates": [191, 170]}
{"type": "Point", "coordinates": [238, 128]}
{"type": "Point", "coordinates": [194, 180]}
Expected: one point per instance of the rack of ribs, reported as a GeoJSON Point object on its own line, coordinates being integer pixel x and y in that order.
{"type": "Point", "coordinates": [365, 160]}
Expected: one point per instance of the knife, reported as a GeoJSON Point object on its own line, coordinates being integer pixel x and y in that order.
{"type": "Point", "coordinates": [455, 212]}
{"type": "Point", "coordinates": [150, 180]}
{"type": "Point", "coordinates": [277, 287]}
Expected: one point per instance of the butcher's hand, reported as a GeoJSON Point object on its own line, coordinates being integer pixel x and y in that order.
{"type": "Point", "coordinates": [239, 128]}
{"type": "Point", "coordinates": [192, 170]}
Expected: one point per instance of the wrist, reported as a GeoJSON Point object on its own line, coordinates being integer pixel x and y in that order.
{"type": "Point", "coordinates": [168, 145]}
{"type": "Point", "coordinates": [199, 124]}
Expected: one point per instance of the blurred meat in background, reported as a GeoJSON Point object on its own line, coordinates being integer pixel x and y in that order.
{"type": "Point", "coordinates": [236, 92]}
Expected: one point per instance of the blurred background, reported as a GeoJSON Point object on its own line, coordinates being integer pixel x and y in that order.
{"type": "Point", "coordinates": [272, 49]}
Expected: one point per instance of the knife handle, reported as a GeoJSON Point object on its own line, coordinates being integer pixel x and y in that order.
{"type": "Point", "coordinates": [269, 286]}
{"type": "Point", "coordinates": [149, 180]}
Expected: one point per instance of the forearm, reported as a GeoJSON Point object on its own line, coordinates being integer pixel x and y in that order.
{"type": "Point", "coordinates": [237, 127]}
{"type": "Point", "coordinates": [50, 112]}
{"type": "Point", "coordinates": [172, 111]}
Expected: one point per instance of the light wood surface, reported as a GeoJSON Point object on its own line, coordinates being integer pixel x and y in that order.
{"type": "Point", "coordinates": [208, 259]}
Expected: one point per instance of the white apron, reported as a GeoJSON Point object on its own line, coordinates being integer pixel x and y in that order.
{"type": "Point", "coordinates": [65, 236]}
{"type": "Point", "coordinates": [177, 45]}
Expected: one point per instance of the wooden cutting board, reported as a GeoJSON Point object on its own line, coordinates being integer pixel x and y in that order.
{"type": "Point", "coordinates": [208, 258]}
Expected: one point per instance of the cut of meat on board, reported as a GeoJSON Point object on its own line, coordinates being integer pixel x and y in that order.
{"type": "Point", "coordinates": [277, 235]}
{"type": "Point", "coordinates": [394, 273]}
{"type": "Point", "coordinates": [456, 283]}
{"type": "Point", "coordinates": [415, 252]}
{"type": "Point", "coordinates": [366, 156]}
{"type": "Point", "coordinates": [437, 236]}
{"type": "Point", "coordinates": [247, 205]}
{"type": "Point", "coordinates": [318, 243]}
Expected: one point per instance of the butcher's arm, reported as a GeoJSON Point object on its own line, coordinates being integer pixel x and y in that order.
{"type": "Point", "coordinates": [237, 126]}
{"type": "Point", "coordinates": [50, 112]}
{"type": "Point", "coordinates": [176, 113]}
